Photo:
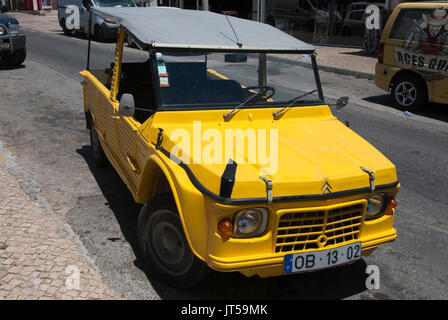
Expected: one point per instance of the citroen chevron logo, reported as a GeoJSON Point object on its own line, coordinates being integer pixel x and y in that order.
{"type": "Point", "coordinates": [326, 188]}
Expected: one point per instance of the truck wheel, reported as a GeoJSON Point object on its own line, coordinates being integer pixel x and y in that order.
{"type": "Point", "coordinates": [66, 31]}
{"type": "Point", "coordinates": [163, 245]}
{"type": "Point", "coordinates": [409, 92]}
{"type": "Point", "coordinates": [98, 33]}
{"type": "Point", "coordinates": [99, 157]}
{"type": "Point", "coordinates": [16, 58]}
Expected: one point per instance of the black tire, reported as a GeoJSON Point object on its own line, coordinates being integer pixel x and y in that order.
{"type": "Point", "coordinates": [98, 33]}
{"type": "Point", "coordinates": [409, 92]}
{"type": "Point", "coordinates": [66, 31]}
{"type": "Point", "coordinates": [16, 58]}
{"type": "Point", "coordinates": [99, 157]}
{"type": "Point", "coordinates": [163, 246]}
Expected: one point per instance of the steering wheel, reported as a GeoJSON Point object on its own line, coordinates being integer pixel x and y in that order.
{"type": "Point", "coordinates": [263, 90]}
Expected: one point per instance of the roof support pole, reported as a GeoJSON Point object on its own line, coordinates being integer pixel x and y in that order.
{"type": "Point", "coordinates": [262, 80]}
{"type": "Point", "coordinates": [205, 5]}
{"type": "Point", "coordinates": [261, 11]}
{"type": "Point", "coordinates": [117, 65]}
{"type": "Point", "coordinates": [89, 40]}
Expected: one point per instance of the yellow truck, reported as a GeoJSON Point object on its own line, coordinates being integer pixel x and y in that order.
{"type": "Point", "coordinates": [228, 143]}
{"type": "Point", "coordinates": [413, 55]}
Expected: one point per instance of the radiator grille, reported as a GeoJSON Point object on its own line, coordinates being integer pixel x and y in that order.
{"type": "Point", "coordinates": [318, 229]}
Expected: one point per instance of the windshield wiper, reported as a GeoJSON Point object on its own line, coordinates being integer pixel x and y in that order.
{"type": "Point", "coordinates": [292, 101]}
{"type": "Point", "coordinates": [227, 115]}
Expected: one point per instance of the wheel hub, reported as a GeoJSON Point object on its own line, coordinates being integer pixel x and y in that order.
{"type": "Point", "coordinates": [168, 243]}
{"type": "Point", "coordinates": [406, 93]}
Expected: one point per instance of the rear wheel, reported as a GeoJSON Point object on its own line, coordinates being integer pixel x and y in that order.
{"type": "Point", "coordinates": [409, 92]}
{"type": "Point", "coordinates": [99, 157]}
{"type": "Point", "coordinates": [66, 31]}
{"type": "Point", "coordinates": [164, 247]}
{"type": "Point", "coordinates": [98, 32]}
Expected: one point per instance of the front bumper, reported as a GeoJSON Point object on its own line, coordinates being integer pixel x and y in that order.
{"type": "Point", "coordinates": [261, 256]}
{"type": "Point", "coordinates": [10, 43]}
{"type": "Point", "coordinates": [271, 266]}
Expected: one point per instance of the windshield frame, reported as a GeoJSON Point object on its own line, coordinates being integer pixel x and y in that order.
{"type": "Point", "coordinates": [226, 106]}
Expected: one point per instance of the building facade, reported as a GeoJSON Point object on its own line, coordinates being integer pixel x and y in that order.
{"type": "Point", "coordinates": [338, 22]}
{"type": "Point", "coordinates": [334, 22]}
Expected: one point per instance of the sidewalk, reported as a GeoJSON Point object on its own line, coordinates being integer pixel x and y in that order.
{"type": "Point", "coordinates": [39, 258]}
{"type": "Point", "coordinates": [347, 61]}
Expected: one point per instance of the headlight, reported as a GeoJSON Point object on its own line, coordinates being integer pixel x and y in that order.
{"type": "Point", "coordinates": [376, 205]}
{"type": "Point", "coordinates": [250, 222]}
{"type": "Point", "coordinates": [14, 29]}
{"type": "Point", "coordinates": [2, 31]}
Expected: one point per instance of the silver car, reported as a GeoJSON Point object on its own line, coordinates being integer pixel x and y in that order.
{"type": "Point", "coordinates": [74, 16]}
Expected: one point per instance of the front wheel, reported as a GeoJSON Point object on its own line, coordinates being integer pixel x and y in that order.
{"type": "Point", "coordinates": [66, 30]}
{"type": "Point", "coordinates": [16, 58]}
{"type": "Point", "coordinates": [164, 247]}
{"type": "Point", "coordinates": [409, 92]}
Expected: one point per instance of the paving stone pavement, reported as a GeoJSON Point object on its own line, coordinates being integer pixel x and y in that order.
{"type": "Point", "coordinates": [38, 255]}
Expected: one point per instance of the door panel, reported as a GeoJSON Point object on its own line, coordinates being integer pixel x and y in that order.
{"type": "Point", "coordinates": [440, 91]}
{"type": "Point", "coordinates": [127, 131]}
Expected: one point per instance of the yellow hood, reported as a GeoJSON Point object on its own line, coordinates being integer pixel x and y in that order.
{"type": "Point", "coordinates": [312, 153]}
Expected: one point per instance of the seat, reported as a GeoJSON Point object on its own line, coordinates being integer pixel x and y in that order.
{"type": "Point", "coordinates": [143, 99]}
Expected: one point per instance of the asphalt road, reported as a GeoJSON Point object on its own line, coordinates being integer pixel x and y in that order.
{"type": "Point", "coordinates": [42, 127]}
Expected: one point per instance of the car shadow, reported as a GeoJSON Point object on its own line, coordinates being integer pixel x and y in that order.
{"type": "Point", "coordinates": [83, 36]}
{"type": "Point", "coordinates": [359, 53]}
{"type": "Point", "coordinates": [434, 111]}
{"type": "Point", "coordinates": [6, 68]}
{"type": "Point", "coordinates": [335, 283]}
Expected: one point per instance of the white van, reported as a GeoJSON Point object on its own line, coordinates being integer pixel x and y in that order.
{"type": "Point", "coordinates": [101, 28]}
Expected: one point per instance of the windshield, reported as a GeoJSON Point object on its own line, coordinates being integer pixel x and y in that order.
{"type": "Point", "coordinates": [115, 3]}
{"type": "Point", "coordinates": [196, 80]}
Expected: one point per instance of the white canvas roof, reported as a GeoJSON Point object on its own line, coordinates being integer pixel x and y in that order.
{"type": "Point", "coordinates": [162, 27]}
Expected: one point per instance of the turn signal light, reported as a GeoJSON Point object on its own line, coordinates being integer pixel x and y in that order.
{"type": "Point", "coordinates": [391, 204]}
{"type": "Point", "coordinates": [225, 226]}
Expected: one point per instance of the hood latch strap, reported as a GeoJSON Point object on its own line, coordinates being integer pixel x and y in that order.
{"type": "Point", "coordinates": [371, 178]}
{"type": "Point", "coordinates": [268, 188]}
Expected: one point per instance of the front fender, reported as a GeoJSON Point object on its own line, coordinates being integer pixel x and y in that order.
{"type": "Point", "coordinates": [190, 203]}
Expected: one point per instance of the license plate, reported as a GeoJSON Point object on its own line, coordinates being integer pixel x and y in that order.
{"type": "Point", "coordinates": [4, 45]}
{"type": "Point", "coordinates": [315, 260]}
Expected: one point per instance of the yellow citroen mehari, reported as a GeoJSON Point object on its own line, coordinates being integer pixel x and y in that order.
{"type": "Point", "coordinates": [228, 143]}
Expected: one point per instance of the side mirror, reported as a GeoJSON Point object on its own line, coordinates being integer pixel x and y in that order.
{"type": "Point", "coordinates": [341, 103]}
{"type": "Point", "coordinates": [126, 107]}
{"type": "Point", "coordinates": [235, 57]}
